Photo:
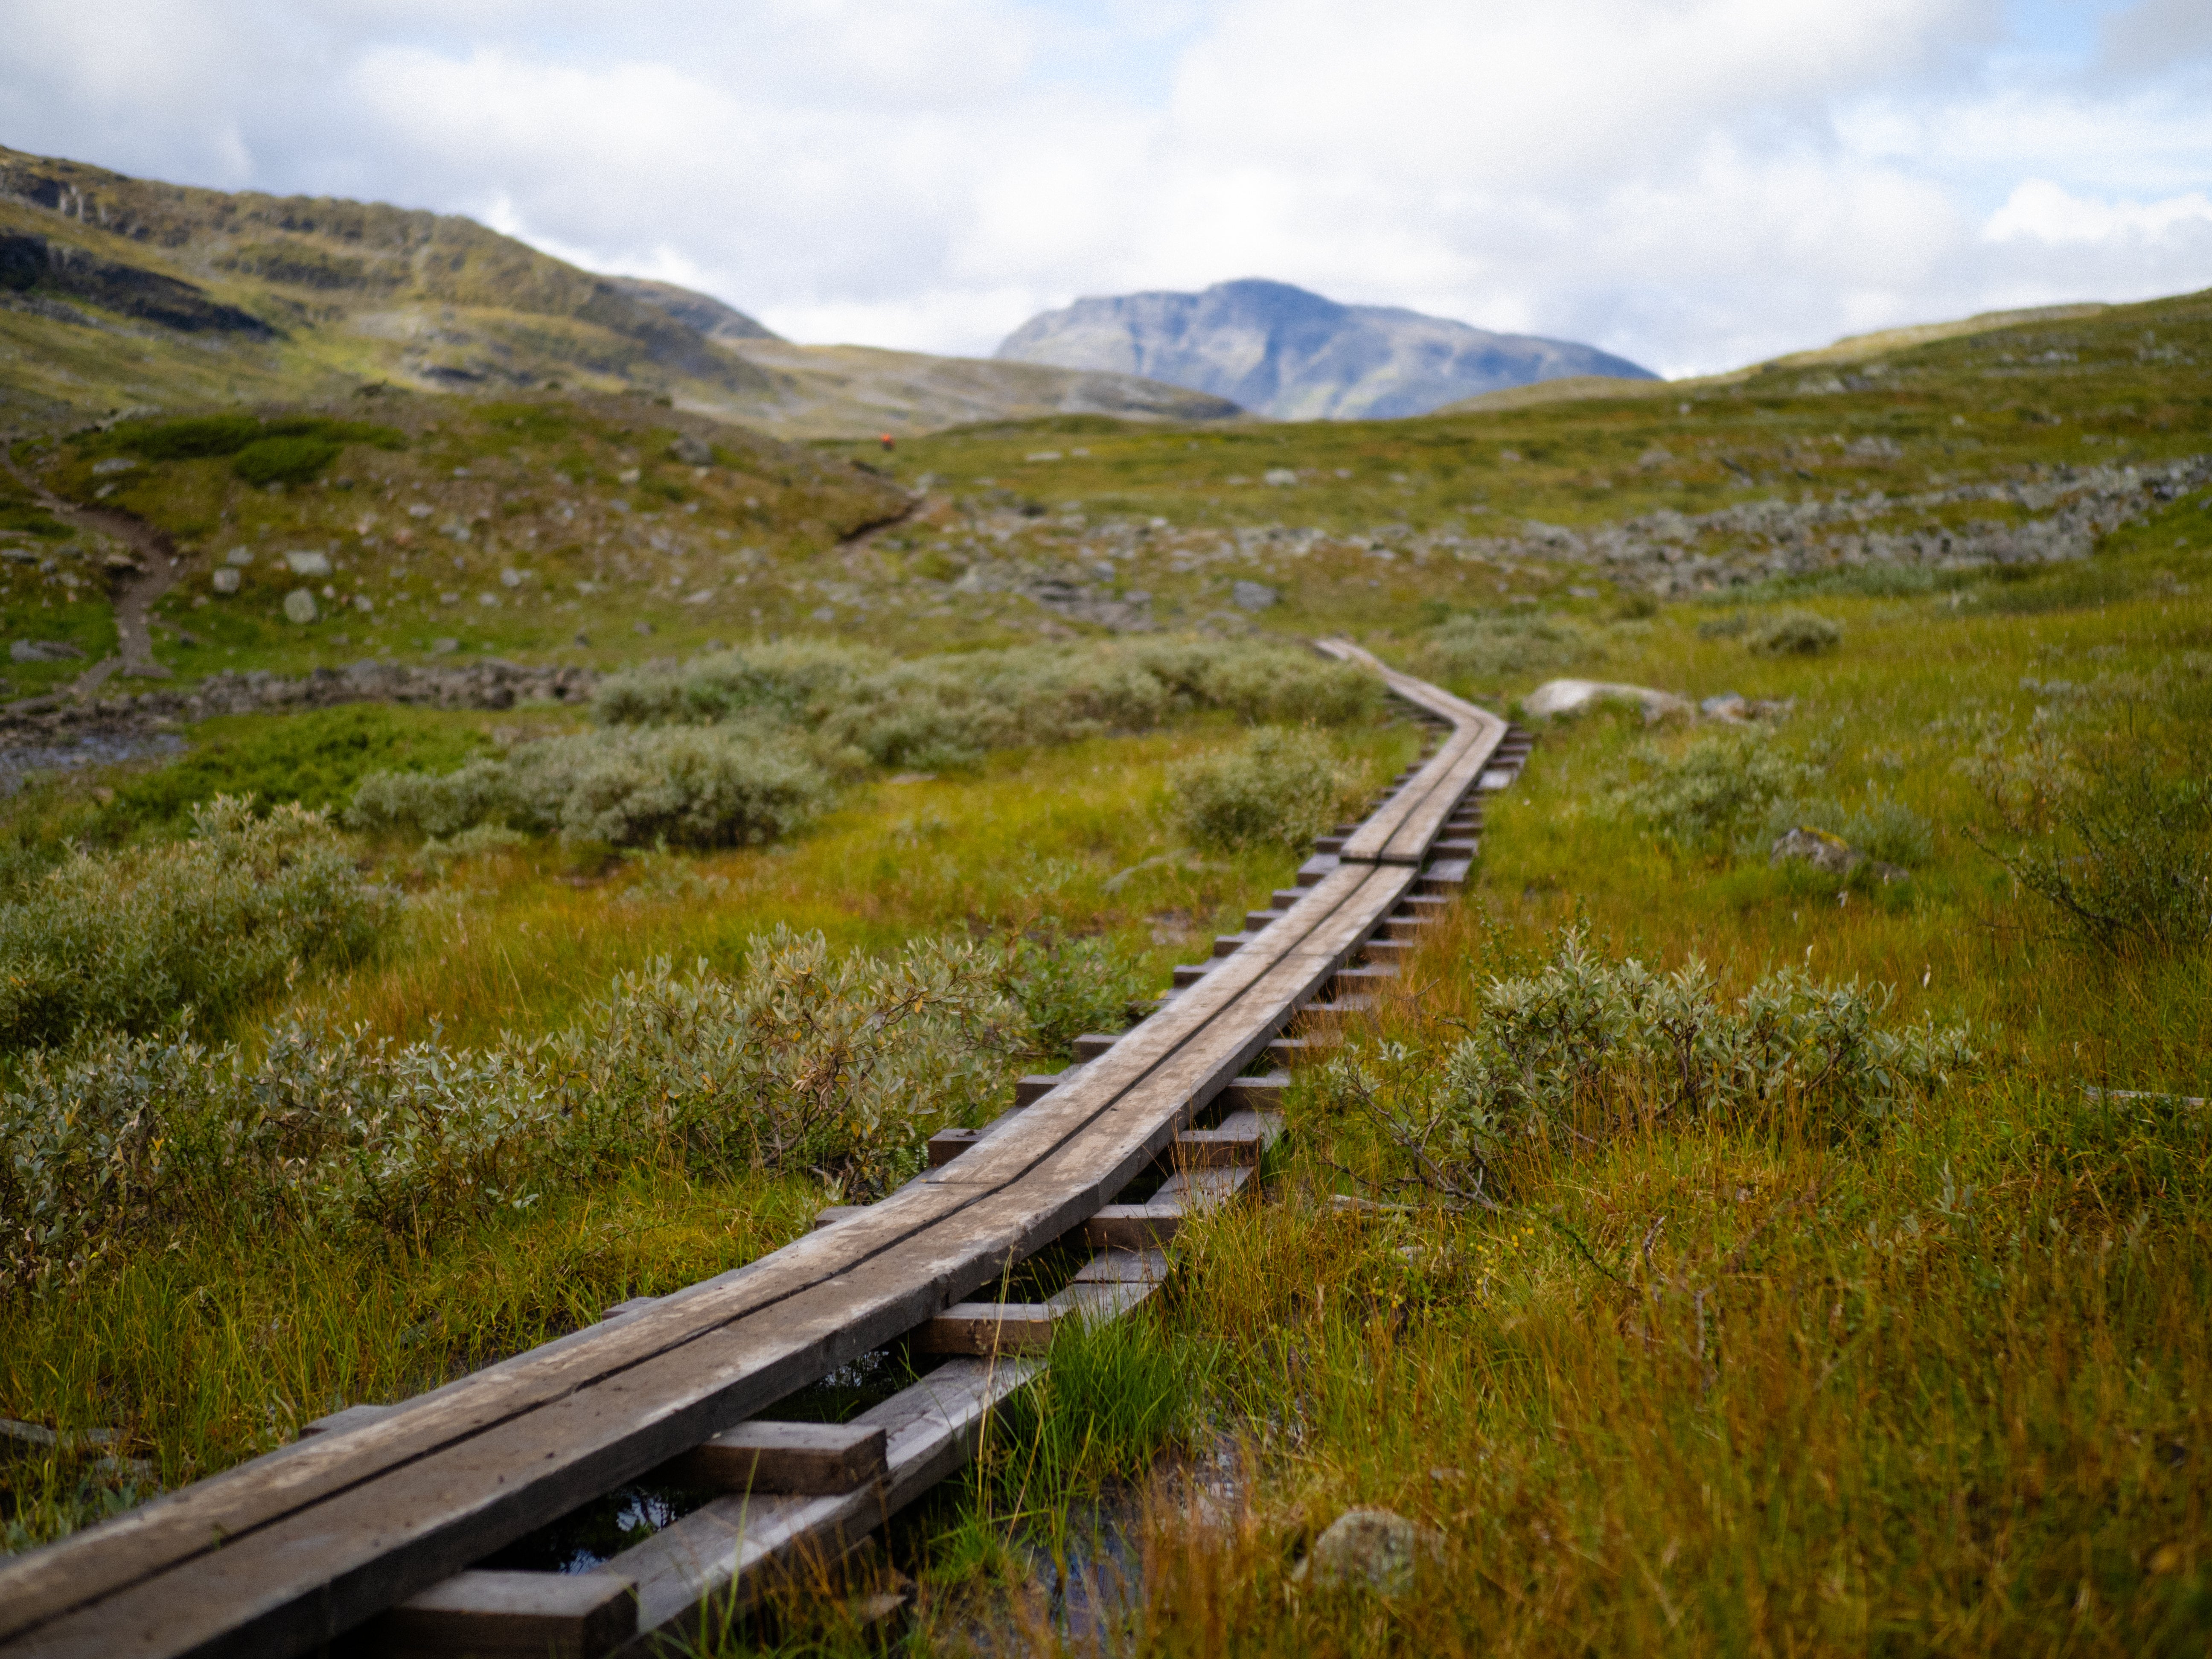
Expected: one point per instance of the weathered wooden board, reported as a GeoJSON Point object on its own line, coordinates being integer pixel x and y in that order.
{"type": "Point", "coordinates": [1403, 831]}
{"type": "Point", "coordinates": [763, 1456]}
{"type": "Point", "coordinates": [530, 1615]}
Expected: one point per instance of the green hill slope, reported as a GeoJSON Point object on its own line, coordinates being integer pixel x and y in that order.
{"type": "Point", "coordinates": [118, 293]}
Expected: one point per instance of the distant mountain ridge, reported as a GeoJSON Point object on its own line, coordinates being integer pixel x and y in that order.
{"type": "Point", "coordinates": [1294, 354]}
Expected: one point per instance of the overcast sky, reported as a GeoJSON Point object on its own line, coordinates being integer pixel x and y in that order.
{"type": "Point", "coordinates": [1694, 183]}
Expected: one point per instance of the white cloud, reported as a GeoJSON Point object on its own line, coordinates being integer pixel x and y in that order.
{"type": "Point", "coordinates": [1690, 182]}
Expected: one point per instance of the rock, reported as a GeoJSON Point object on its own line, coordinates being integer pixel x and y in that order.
{"type": "Point", "coordinates": [510, 578]}
{"type": "Point", "coordinates": [299, 606]}
{"type": "Point", "coordinates": [239, 556]}
{"type": "Point", "coordinates": [309, 563]}
{"type": "Point", "coordinates": [1728, 706]}
{"type": "Point", "coordinates": [1831, 854]}
{"type": "Point", "coordinates": [44, 651]}
{"type": "Point", "coordinates": [226, 581]}
{"type": "Point", "coordinates": [1280, 477]}
{"type": "Point", "coordinates": [117, 463]}
{"type": "Point", "coordinates": [445, 648]}
{"type": "Point", "coordinates": [692, 451]}
{"type": "Point", "coordinates": [1252, 596]}
{"type": "Point", "coordinates": [1573, 696]}
{"type": "Point", "coordinates": [1378, 1548]}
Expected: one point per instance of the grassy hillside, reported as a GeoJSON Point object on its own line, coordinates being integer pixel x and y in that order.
{"type": "Point", "coordinates": [119, 293]}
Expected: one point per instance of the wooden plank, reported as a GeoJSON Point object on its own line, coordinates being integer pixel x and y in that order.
{"type": "Point", "coordinates": [693, 1573]}
{"type": "Point", "coordinates": [763, 1456]}
{"type": "Point", "coordinates": [1403, 831]}
{"type": "Point", "coordinates": [392, 1507]}
{"type": "Point", "coordinates": [989, 1327]}
{"type": "Point", "coordinates": [532, 1615]}
{"type": "Point", "coordinates": [1192, 1190]}
{"type": "Point", "coordinates": [1118, 1266]}
{"type": "Point", "coordinates": [1134, 1226]}
{"type": "Point", "coordinates": [352, 1417]}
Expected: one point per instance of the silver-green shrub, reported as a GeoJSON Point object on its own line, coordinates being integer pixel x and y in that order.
{"type": "Point", "coordinates": [953, 708]}
{"type": "Point", "coordinates": [1279, 787]}
{"type": "Point", "coordinates": [685, 787]}
{"type": "Point", "coordinates": [1716, 793]}
{"type": "Point", "coordinates": [130, 940]}
{"type": "Point", "coordinates": [1795, 634]}
{"type": "Point", "coordinates": [1489, 647]}
{"type": "Point", "coordinates": [799, 1061]}
{"type": "Point", "coordinates": [1585, 1044]}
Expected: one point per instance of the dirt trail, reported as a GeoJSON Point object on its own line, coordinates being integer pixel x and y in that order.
{"type": "Point", "coordinates": [132, 593]}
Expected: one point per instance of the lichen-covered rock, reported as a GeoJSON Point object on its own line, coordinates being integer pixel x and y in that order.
{"type": "Point", "coordinates": [1832, 854]}
{"type": "Point", "coordinates": [1378, 1548]}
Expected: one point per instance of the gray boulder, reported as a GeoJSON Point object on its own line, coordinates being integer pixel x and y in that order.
{"type": "Point", "coordinates": [1830, 853]}
{"type": "Point", "coordinates": [299, 606]}
{"type": "Point", "coordinates": [1252, 596]}
{"type": "Point", "coordinates": [44, 651]}
{"type": "Point", "coordinates": [1573, 696]}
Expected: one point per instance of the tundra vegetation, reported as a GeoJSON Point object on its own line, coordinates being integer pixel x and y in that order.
{"type": "Point", "coordinates": [1734, 1252]}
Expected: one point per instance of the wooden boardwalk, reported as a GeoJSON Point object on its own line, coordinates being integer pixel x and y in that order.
{"type": "Point", "coordinates": [375, 1526]}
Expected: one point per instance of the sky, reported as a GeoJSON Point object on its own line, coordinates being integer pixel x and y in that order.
{"type": "Point", "coordinates": [1692, 184]}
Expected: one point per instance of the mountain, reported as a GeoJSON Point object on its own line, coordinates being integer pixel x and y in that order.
{"type": "Point", "coordinates": [1285, 352]}
{"type": "Point", "coordinates": [124, 293]}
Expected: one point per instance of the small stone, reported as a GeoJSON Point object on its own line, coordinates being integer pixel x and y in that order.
{"type": "Point", "coordinates": [1727, 706]}
{"type": "Point", "coordinates": [640, 628]}
{"type": "Point", "coordinates": [510, 578]}
{"type": "Point", "coordinates": [308, 563]}
{"type": "Point", "coordinates": [692, 451]}
{"type": "Point", "coordinates": [1281, 477]}
{"type": "Point", "coordinates": [44, 651]}
{"type": "Point", "coordinates": [1252, 596]}
{"type": "Point", "coordinates": [822, 614]}
{"type": "Point", "coordinates": [443, 648]}
{"type": "Point", "coordinates": [299, 606]}
{"type": "Point", "coordinates": [1830, 853]}
{"type": "Point", "coordinates": [226, 581]}
{"type": "Point", "coordinates": [362, 602]}
{"type": "Point", "coordinates": [116, 464]}
{"type": "Point", "coordinates": [1378, 1548]}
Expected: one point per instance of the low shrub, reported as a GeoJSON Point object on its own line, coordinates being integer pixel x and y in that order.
{"type": "Point", "coordinates": [951, 710]}
{"type": "Point", "coordinates": [2126, 858]}
{"type": "Point", "coordinates": [291, 461]}
{"type": "Point", "coordinates": [136, 940]}
{"type": "Point", "coordinates": [1716, 792]}
{"type": "Point", "coordinates": [1278, 788]}
{"type": "Point", "coordinates": [682, 787]}
{"type": "Point", "coordinates": [801, 1060]}
{"type": "Point", "coordinates": [1585, 1045]}
{"type": "Point", "coordinates": [1486, 648]}
{"type": "Point", "coordinates": [317, 757]}
{"type": "Point", "coordinates": [1794, 634]}
{"type": "Point", "coordinates": [1067, 986]}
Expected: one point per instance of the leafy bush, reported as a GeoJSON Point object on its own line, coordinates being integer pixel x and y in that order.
{"type": "Point", "coordinates": [2126, 860]}
{"type": "Point", "coordinates": [131, 941]}
{"type": "Point", "coordinates": [1492, 646]}
{"type": "Point", "coordinates": [683, 787]}
{"type": "Point", "coordinates": [1278, 788]}
{"type": "Point", "coordinates": [1066, 987]}
{"type": "Point", "coordinates": [285, 460]}
{"type": "Point", "coordinates": [317, 757]}
{"type": "Point", "coordinates": [203, 437]}
{"type": "Point", "coordinates": [799, 1061]}
{"type": "Point", "coordinates": [1714, 794]}
{"type": "Point", "coordinates": [1584, 1042]}
{"type": "Point", "coordinates": [1795, 634]}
